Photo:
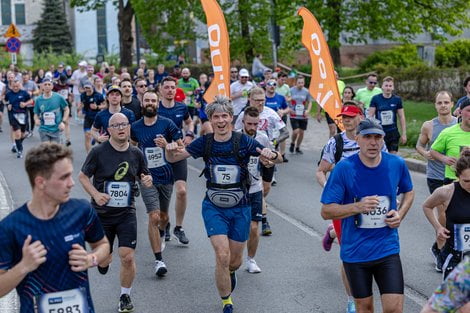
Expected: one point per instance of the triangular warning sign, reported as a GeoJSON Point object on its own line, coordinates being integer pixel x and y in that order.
{"type": "Point", "coordinates": [12, 31]}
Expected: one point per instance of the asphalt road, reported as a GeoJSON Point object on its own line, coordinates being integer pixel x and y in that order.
{"type": "Point", "coordinates": [297, 275]}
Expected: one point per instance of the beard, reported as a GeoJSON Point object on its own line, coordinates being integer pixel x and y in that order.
{"type": "Point", "coordinates": [149, 111]}
{"type": "Point", "coordinates": [250, 132]}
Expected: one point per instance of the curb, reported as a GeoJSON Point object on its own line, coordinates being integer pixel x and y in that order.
{"type": "Point", "coordinates": [416, 165]}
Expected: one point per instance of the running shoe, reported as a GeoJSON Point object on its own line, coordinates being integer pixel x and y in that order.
{"type": "Point", "coordinates": [228, 308]}
{"type": "Point", "coordinates": [1, 130]}
{"type": "Point", "coordinates": [19, 154]}
{"type": "Point", "coordinates": [125, 304]}
{"type": "Point", "coordinates": [13, 149]}
{"type": "Point", "coordinates": [167, 232]}
{"type": "Point", "coordinates": [436, 253]}
{"type": "Point", "coordinates": [266, 229]}
{"type": "Point", "coordinates": [180, 236]}
{"type": "Point", "coordinates": [30, 134]}
{"type": "Point", "coordinates": [284, 159]}
{"type": "Point", "coordinates": [160, 268]}
{"type": "Point", "coordinates": [274, 182]}
{"type": "Point", "coordinates": [103, 270]}
{"type": "Point", "coordinates": [252, 267]}
{"type": "Point", "coordinates": [327, 240]}
{"type": "Point", "coordinates": [68, 143]}
{"type": "Point", "coordinates": [298, 151]}
{"type": "Point", "coordinates": [291, 148]}
{"type": "Point", "coordinates": [351, 307]}
{"type": "Point", "coordinates": [233, 280]}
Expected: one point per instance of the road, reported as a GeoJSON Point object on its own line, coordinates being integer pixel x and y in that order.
{"type": "Point", "coordinates": [298, 276]}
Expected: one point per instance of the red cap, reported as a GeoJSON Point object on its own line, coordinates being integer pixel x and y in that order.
{"type": "Point", "coordinates": [350, 110]}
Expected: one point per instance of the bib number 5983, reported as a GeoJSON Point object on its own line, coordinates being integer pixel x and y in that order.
{"type": "Point", "coordinates": [68, 301]}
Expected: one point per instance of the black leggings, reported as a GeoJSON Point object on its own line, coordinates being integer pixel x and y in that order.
{"type": "Point", "coordinates": [387, 273]}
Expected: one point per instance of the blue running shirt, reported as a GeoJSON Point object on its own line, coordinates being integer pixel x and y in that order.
{"type": "Point", "coordinates": [177, 114]}
{"type": "Point", "coordinates": [102, 119]}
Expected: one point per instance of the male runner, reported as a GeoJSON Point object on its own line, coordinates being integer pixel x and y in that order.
{"type": "Point", "coordinates": [239, 91]}
{"type": "Point", "coordinates": [91, 102]}
{"type": "Point", "coordinates": [357, 193]}
{"type": "Point", "coordinates": [451, 141]}
{"type": "Point", "coordinates": [42, 243]}
{"type": "Point", "coordinates": [146, 133]}
{"type": "Point", "coordinates": [51, 112]}
{"type": "Point", "coordinates": [278, 103]}
{"type": "Point", "coordinates": [435, 169]}
{"type": "Point", "coordinates": [99, 130]}
{"type": "Point", "coordinates": [178, 113]}
{"type": "Point", "coordinates": [114, 166]}
{"type": "Point", "coordinates": [300, 106]}
{"type": "Point", "coordinates": [385, 107]}
{"type": "Point", "coordinates": [364, 95]}
{"type": "Point", "coordinates": [225, 209]}
{"type": "Point", "coordinates": [17, 100]}
{"type": "Point", "coordinates": [128, 100]}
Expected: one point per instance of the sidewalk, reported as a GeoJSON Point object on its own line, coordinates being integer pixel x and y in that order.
{"type": "Point", "coordinates": [316, 137]}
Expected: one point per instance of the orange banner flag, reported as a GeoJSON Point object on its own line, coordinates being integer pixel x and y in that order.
{"type": "Point", "coordinates": [323, 87]}
{"type": "Point", "coordinates": [220, 53]}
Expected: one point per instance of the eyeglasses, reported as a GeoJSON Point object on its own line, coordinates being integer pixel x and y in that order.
{"type": "Point", "coordinates": [119, 125]}
{"type": "Point", "coordinates": [372, 83]}
{"type": "Point", "coordinates": [244, 77]}
{"type": "Point", "coordinates": [259, 100]}
{"type": "Point", "coordinates": [142, 86]}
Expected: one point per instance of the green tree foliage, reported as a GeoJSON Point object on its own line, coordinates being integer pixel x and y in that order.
{"type": "Point", "coordinates": [52, 30]}
{"type": "Point", "coordinates": [125, 17]}
{"type": "Point", "coordinates": [400, 57]}
{"type": "Point", "coordinates": [454, 54]}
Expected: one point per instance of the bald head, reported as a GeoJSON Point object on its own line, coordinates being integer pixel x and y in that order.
{"type": "Point", "coordinates": [118, 118]}
{"type": "Point", "coordinates": [185, 73]}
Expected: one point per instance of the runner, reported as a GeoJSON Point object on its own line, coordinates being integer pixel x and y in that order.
{"type": "Point", "coordinates": [225, 209]}
{"type": "Point", "coordinates": [51, 112]}
{"type": "Point", "coordinates": [114, 167]}
{"type": "Point", "coordinates": [251, 121]}
{"type": "Point", "coordinates": [450, 142]}
{"type": "Point", "coordinates": [455, 198]}
{"type": "Point", "coordinates": [466, 87]}
{"type": "Point", "coordinates": [300, 106]}
{"type": "Point", "coordinates": [34, 257]}
{"type": "Point", "coordinates": [17, 100]}
{"type": "Point", "coordinates": [77, 75]}
{"type": "Point", "coordinates": [91, 102]}
{"type": "Point", "coordinates": [189, 85]}
{"type": "Point", "coordinates": [2, 97]}
{"type": "Point", "coordinates": [128, 100]}
{"type": "Point", "coordinates": [140, 88]}
{"type": "Point", "coordinates": [435, 169]}
{"type": "Point", "coordinates": [364, 95]}
{"type": "Point", "coordinates": [63, 89]}
{"type": "Point", "coordinates": [369, 241]}
{"type": "Point", "coordinates": [99, 130]}
{"type": "Point", "coordinates": [146, 133]}
{"type": "Point", "coordinates": [385, 107]}
{"type": "Point", "coordinates": [239, 92]}
{"type": "Point", "coordinates": [178, 113]}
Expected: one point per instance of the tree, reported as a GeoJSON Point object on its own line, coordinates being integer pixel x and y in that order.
{"type": "Point", "coordinates": [52, 31]}
{"type": "Point", "coordinates": [125, 16]}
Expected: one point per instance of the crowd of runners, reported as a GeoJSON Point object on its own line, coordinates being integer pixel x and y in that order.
{"type": "Point", "coordinates": [140, 127]}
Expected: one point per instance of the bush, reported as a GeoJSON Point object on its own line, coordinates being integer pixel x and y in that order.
{"type": "Point", "coordinates": [45, 59]}
{"type": "Point", "coordinates": [5, 59]}
{"type": "Point", "coordinates": [453, 54]}
{"type": "Point", "coordinates": [400, 57]}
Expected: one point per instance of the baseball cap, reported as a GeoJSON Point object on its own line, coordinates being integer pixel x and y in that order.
{"type": "Point", "coordinates": [68, 67]}
{"type": "Point", "coordinates": [268, 70]}
{"type": "Point", "coordinates": [370, 126]}
{"type": "Point", "coordinates": [82, 63]}
{"type": "Point", "coordinates": [87, 84]}
{"type": "Point", "coordinates": [114, 88]}
{"type": "Point", "coordinates": [47, 80]}
{"type": "Point", "coordinates": [244, 73]}
{"type": "Point", "coordinates": [350, 110]}
{"type": "Point", "coordinates": [465, 103]}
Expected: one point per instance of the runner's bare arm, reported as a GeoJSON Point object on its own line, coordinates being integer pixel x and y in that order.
{"type": "Point", "coordinates": [441, 196]}
{"type": "Point", "coordinates": [99, 197]}
{"type": "Point", "coordinates": [406, 202]}
{"type": "Point", "coordinates": [371, 112]}
{"type": "Point", "coordinates": [80, 260]}
{"type": "Point", "coordinates": [423, 140]}
{"type": "Point", "coordinates": [323, 168]}
{"type": "Point", "coordinates": [175, 152]}
{"type": "Point", "coordinates": [401, 115]}
{"type": "Point", "coordinates": [442, 158]}
{"type": "Point", "coordinates": [339, 211]}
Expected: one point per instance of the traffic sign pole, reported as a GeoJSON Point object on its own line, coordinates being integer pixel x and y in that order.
{"type": "Point", "coordinates": [13, 58]}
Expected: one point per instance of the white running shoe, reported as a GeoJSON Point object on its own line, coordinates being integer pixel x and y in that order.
{"type": "Point", "coordinates": [160, 268]}
{"type": "Point", "coordinates": [252, 267]}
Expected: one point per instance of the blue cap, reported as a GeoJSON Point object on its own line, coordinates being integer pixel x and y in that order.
{"type": "Point", "coordinates": [370, 126]}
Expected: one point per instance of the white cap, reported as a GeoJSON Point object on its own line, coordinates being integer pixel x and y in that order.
{"type": "Point", "coordinates": [82, 63]}
{"type": "Point", "coordinates": [244, 73]}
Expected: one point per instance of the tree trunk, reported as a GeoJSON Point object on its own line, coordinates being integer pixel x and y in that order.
{"type": "Point", "coordinates": [125, 15]}
{"type": "Point", "coordinates": [334, 30]}
{"type": "Point", "coordinates": [243, 10]}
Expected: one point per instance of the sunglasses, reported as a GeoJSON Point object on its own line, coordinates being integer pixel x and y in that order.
{"type": "Point", "coordinates": [234, 72]}
{"type": "Point", "coordinates": [142, 86]}
{"type": "Point", "coordinates": [272, 84]}
{"type": "Point", "coordinates": [372, 83]}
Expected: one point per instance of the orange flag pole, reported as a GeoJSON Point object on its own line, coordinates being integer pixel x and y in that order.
{"type": "Point", "coordinates": [323, 87]}
{"type": "Point", "coordinates": [220, 52]}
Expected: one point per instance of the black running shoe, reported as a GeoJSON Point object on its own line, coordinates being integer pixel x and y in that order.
{"type": "Point", "coordinates": [291, 148]}
{"type": "Point", "coordinates": [180, 236]}
{"type": "Point", "coordinates": [125, 304]}
{"type": "Point", "coordinates": [298, 151]}
{"type": "Point", "coordinates": [233, 280]}
{"type": "Point", "coordinates": [284, 159]}
{"type": "Point", "coordinates": [167, 232]}
{"type": "Point", "coordinates": [103, 270]}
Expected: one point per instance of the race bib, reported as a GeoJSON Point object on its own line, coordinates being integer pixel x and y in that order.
{"type": "Point", "coordinates": [462, 237]}
{"type": "Point", "coordinates": [375, 218]}
{"type": "Point", "coordinates": [120, 193]}
{"type": "Point", "coordinates": [20, 117]}
{"type": "Point", "coordinates": [155, 157]}
{"type": "Point", "coordinates": [253, 166]}
{"type": "Point", "coordinates": [299, 109]}
{"type": "Point", "coordinates": [68, 301]}
{"type": "Point", "coordinates": [386, 117]}
{"type": "Point", "coordinates": [226, 174]}
{"type": "Point", "coordinates": [49, 118]}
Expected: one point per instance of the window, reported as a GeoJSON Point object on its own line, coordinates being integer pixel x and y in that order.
{"type": "Point", "coordinates": [20, 14]}
{"type": "Point", "coordinates": [101, 30]}
{"type": "Point", "coordinates": [6, 12]}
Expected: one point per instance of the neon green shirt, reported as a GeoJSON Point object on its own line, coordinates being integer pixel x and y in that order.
{"type": "Point", "coordinates": [341, 86]}
{"type": "Point", "coordinates": [450, 142]}
{"type": "Point", "coordinates": [283, 90]}
{"type": "Point", "coordinates": [364, 95]}
{"type": "Point", "coordinates": [190, 85]}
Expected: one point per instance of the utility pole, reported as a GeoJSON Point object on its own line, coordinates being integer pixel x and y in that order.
{"type": "Point", "coordinates": [137, 40]}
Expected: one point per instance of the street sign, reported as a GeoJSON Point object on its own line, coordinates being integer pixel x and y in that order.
{"type": "Point", "coordinates": [13, 58]}
{"type": "Point", "coordinates": [13, 45]}
{"type": "Point", "coordinates": [12, 32]}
